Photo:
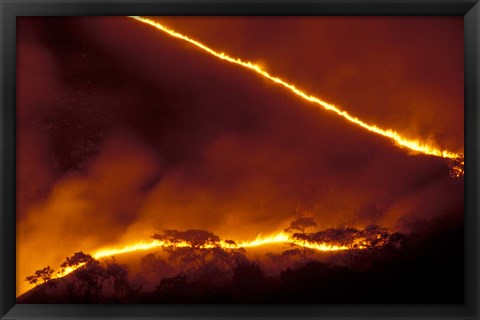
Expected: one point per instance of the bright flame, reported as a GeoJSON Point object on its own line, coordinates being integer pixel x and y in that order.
{"type": "Point", "coordinates": [68, 270]}
{"type": "Point", "coordinates": [139, 246]}
{"type": "Point", "coordinates": [414, 145]}
{"type": "Point", "coordinates": [259, 240]}
{"type": "Point", "coordinates": [280, 237]}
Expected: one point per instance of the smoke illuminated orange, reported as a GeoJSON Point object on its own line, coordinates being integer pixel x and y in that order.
{"type": "Point", "coordinates": [413, 145]}
{"type": "Point", "coordinates": [110, 207]}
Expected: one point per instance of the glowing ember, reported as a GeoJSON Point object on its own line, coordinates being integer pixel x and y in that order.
{"type": "Point", "coordinates": [414, 145]}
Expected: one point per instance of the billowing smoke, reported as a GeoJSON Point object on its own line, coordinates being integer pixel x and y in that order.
{"type": "Point", "coordinates": [122, 131]}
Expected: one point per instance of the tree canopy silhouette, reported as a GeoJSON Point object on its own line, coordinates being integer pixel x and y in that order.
{"type": "Point", "coordinates": [299, 236]}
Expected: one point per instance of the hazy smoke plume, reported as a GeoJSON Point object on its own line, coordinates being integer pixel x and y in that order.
{"type": "Point", "coordinates": [122, 131]}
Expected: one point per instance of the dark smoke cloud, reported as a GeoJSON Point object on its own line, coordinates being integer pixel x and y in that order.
{"type": "Point", "coordinates": [123, 130]}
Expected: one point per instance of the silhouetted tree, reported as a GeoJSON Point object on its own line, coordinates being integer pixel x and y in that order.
{"type": "Point", "coordinates": [173, 289]}
{"type": "Point", "coordinates": [377, 247]}
{"type": "Point", "coordinates": [248, 280]}
{"type": "Point", "coordinates": [188, 246]}
{"type": "Point", "coordinates": [197, 249]}
{"type": "Point", "coordinates": [330, 236]}
{"type": "Point", "coordinates": [91, 277]}
{"type": "Point", "coordinates": [118, 274]}
{"type": "Point", "coordinates": [75, 261]}
{"type": "Point", "coordinates": [300, 225]}
{"type": "Point", "coordinates": [45, 275]}
{"type": "Point", "coordinates": [299, 236]}
{"type": "Point", "coordinates": [179, 280]}
{"type": "Point", "coordinates": [154, 268]}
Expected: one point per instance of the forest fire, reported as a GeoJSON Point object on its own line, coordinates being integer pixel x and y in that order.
{"type": "Point", "coordinates": [193, 249]}
{"type": "Point", "coordinates": [66, 271]}
{"type": "Point", "coordinates": [195, 252]}
{"type": "Point", "coordinates": [412, 144]}
{"type": "Point", "coordinates": [153, 168]}
{"type": "Point", "coordinates": [280, 237]}
{"type": "Point", "coordinates": [329, 240]}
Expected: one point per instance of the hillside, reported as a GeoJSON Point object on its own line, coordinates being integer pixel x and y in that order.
{"type": "Point", "coordinates": [266, 274]}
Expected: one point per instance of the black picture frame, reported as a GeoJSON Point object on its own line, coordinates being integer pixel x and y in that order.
{"type": "Point", "coordinates": [10, 9]}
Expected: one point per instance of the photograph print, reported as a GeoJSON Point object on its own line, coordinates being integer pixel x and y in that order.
{"type": "Point", "coordinates": [240, 159]}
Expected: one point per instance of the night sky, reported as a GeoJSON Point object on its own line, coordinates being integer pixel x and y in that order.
{"type": "Point", "coordinates": [123, 130]}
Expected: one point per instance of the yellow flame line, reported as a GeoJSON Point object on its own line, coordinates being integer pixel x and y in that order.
{"type": "Point", "coordinates": [139, 246]}
{"type": "Point", "coordinates": [388, 133]}
{"type": "Point", "coordinates": [258, 241]}
{"type": "Point", "coordinates": [66, 271]}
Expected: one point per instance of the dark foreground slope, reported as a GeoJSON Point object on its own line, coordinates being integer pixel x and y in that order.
{"type": "Point", "coordinates": [425, 271]}
{"type": "Point", "coordinates": [426, 268]}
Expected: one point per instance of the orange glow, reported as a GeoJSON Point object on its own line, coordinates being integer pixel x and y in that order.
{"type": "Point", "coordinates": [68, 270]}
{"type": "Point", "coordinates": [399, 140]}
{"type": "Point", "coordinates": [69, 203]}
{"type": "Point", "coordinates": [259, 240]}
{"type": "Point", "coordinates": [280, 237]}
{"type": "Point", "coordinates": [138, 246]}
